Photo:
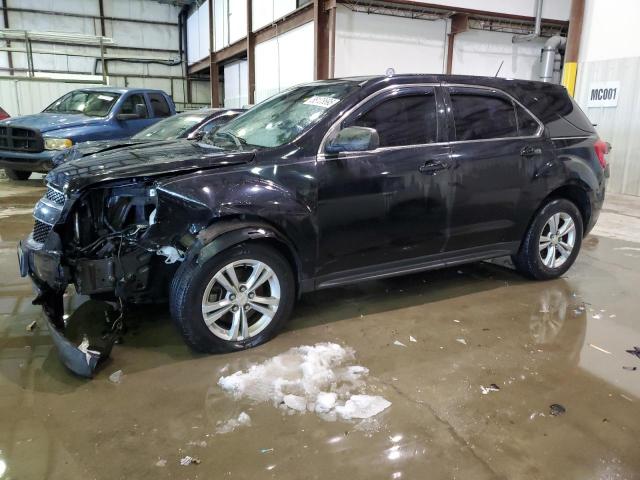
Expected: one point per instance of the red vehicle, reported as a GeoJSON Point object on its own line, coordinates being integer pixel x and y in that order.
{"type": "Point", "coordinates": [3, 114]}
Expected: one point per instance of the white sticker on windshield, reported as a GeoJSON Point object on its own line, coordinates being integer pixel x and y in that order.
{"type": "Point", "coordinates": [106, 98]}
{"type": "Point", "coordinates": [324, 102]}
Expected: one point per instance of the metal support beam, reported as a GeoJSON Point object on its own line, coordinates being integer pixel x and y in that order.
{"type": "Point", "coordinates": [459, 24]}
{"type": "Point", "coordinates": [251, 50]}
{"type": "Point", "coordinates": [5, 15]}
{"type": "Point", "coordinates": [103, 30]}
{"type": "Point", "coordinates": [321, 40]}
{"type": "Point", "coordinates": [214, 81]}
{"type": "Point", "coordinates": [572, 50]}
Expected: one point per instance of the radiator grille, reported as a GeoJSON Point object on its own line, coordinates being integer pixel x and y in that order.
{"type": "Point", "coordinates": [41, 231]}
{"type": "Point", "coordinates": [20, 139]}
{"type": "Point", "coordinates": [55, 196]}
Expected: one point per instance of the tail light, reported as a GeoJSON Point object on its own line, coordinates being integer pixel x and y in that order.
{"type": "Point", "coordinates": [602, 148]}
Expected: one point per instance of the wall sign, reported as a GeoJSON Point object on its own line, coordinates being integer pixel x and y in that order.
{"type": "Point", "coordinates": [604, 94]}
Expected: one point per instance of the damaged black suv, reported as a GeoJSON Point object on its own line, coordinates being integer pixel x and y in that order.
{"type": "Point", "coordinates": [325, 184]}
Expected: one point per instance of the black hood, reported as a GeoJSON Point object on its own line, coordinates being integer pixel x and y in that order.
{"type": "Point", "coordinates": [143, 160]}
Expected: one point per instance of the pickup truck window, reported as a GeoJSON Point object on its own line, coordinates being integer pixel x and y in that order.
{"type": "Point", "coordinates": [404, 120]}
{"type": "Point", "coordinates": [90, 103]}
{"type": "Point", "coordinates": [283, 117]}
{"type": "Point", "coordinates": [481, 115]}
{"type": "Point", "coordinates": [129, 104]}
{"type": "Point", "coordinates": [159, 105]}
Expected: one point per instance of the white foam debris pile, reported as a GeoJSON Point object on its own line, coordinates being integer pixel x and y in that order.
{"type": "Point", "coordinates": [243, 420]}
{"type": "Point", "coordinates": [315, 378]}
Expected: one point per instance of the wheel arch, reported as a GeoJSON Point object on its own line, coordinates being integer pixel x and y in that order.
{"type": "Point", "coordinates": [228, 232]}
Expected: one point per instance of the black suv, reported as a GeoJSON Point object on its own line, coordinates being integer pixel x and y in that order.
{"type": "Point", "coordinates": [325, 184]}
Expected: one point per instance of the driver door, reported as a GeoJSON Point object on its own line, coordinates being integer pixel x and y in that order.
{"type": "Point", "coordinates": [133, 104]}
{"type": "Point", "coordinates": [389, 204]}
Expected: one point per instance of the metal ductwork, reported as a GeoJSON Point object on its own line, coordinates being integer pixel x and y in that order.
{"type": "Point", "coordinates": [538, 25]}
{"type": "Point", "coordinates": [549, 65]}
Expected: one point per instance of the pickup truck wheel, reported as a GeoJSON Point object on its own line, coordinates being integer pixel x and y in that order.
{"type": "Point", "coordinates": [552, 242]}
{"type": "Point", "coordinates": [238, 299]}
{"type": "Point", "coordinates": [17, 174]}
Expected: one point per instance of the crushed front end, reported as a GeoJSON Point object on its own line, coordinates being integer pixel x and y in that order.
{"type": "Point", "coordinates": [107, 242]}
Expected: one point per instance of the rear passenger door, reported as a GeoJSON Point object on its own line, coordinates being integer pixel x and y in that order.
{"type": "Point", "coordinates": [496, 147]}
{"type": "Point", "coordinates": [387, 204]}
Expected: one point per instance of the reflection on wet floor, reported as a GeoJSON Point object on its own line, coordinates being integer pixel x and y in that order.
{"type": "Point", "coordinates": [560, 342]}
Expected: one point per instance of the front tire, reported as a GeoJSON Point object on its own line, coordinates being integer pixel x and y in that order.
{"type": "Point", "coordinates": [238, 299]}
{"type": "Point", "coordinates": [552, 242]}
{"type": "Point", "coordinates": [17, 174]}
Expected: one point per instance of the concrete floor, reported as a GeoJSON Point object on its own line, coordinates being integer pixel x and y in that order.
{"type": "Point", "coordinates": [531, 339]}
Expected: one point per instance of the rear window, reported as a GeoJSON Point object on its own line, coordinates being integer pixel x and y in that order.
{"type": "Point", "coordinates": [159, 105]}
{"type": "Point", "coordinates": [480, 114]}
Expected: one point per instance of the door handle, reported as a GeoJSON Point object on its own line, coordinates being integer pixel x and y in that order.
{"type": "Point", "coordinates": [530, 151]}
{"type": "Point", "coordinates": [431, 167]}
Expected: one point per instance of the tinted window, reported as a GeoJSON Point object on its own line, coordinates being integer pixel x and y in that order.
{"type": "Point", "coordinates": [527, 125]}
{"type": "Point", "coordinates": [405, 120]}
{"type": "Point", "coordinates": [129, 104]}
{"type": "Point", "coordinates": [159, 105]}
{"type": "Point", "coordinates": [478, 115]}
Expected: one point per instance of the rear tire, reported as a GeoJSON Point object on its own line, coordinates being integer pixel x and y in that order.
{"type": "Point", "coordinates": [247, 292]}
{"type": "Point", "coordinates": [552, 241]}
{"type": "Point", "coordinates": [17, 174]}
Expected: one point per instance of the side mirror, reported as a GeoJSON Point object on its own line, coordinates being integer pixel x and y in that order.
{"type": "Point", "coordinates": [197, 135]}
{"type": "Point", "coordinates": [141, 110]}
{"type": "Point", "coordinates": [354, 139]}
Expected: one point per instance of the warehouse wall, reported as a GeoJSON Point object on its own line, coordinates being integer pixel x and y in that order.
{"type": "Point", "coordinates": [125, 34]}
{"type": "Point", "coordinates": [284, 61]}
{"type": "Point", "coordinates": [478, 52]}
{"type": "Point", "coordinates": [609, 52]}
{"type": "Point", "coordinates": [236, 84]}
{"type": "Point", "coordinates": [370, 44]}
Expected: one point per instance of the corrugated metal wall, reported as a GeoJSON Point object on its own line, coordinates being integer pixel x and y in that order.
{"type": "Point", "coordinates": [159, 39]}
{"type": "Point", "coordinates": [618, 125]}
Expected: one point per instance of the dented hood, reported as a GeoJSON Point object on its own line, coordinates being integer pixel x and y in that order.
{"type": "Point", "coordinates": [144, 160]}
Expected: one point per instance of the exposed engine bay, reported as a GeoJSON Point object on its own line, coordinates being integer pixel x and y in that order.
{"type": "Point", "coordinates": [106, 245]}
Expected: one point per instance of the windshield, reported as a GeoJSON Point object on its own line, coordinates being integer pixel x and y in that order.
{"type": "Point", "coordinates": [93, 104]}
{"type": "Point", "coordinates": [172, 127]}
{"type": "Point", "coordinates": [281, 118]}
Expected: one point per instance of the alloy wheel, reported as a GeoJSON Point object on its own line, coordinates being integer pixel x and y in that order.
{"type": "Point", "coordinates": [241, 300]}
{"type": "Point", "coordinates": [557, 239]}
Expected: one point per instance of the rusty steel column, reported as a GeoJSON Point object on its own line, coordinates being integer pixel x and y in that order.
{"type": "Point", "coordinates": [251, 58]}
{"type": "Point", "coordinates": [214, 81]}
{"type": "Point", "coordinates": [321, 40]}
{"type": "Point", "coordinates": [5, 15]}
{"type": "Point", "coordinates": [459, 24]}
{"type": "Point", "coordinates": [572, 50]}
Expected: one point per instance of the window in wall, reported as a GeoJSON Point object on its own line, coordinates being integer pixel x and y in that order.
{"type": "Point", "coordinates": [404, 120]}
{"type": "Point", "coordinates": [159, 105]}
{"type": "Point", "coordinates": [479, 115]}
{"type": "Point", "coordinates": [129, 104]}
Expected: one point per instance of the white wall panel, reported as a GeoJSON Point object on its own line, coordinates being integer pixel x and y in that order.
{"type": "Point", "coordinates": [284, 61]}
{"type": "Point", "coordinates": [198, 34]}
{"type": "Point", "coordinates": [235, 84]}
{"type": "Point", "coordinates": [23, 97]}
{"type": "Point", "coordinates": [370, 44]}
{"type": "Point", "coordinates": [237, 20]}
{"type": "Point", "coordinates": [609, 30]}
{"type": "Point", "coordinates": [618, 125]}
{"type": "Point", "coordinates": [266, 12]}
{"type": "Point", "coordinates": [552, 9]}
{"type": "Point", "coordinates": [479, 52]}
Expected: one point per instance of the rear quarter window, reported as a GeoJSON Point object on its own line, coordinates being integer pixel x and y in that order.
{"type": "Point", "coordinates": [159, 105]}
{"type": "Point", "coordinates": [482, 115]}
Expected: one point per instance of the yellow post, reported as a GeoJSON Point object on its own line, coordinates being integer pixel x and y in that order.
{"type": "Point", "coordinates": [569, 77]}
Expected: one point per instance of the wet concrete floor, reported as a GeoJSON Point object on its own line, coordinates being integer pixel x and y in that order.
{"type": "Point", "coordinates": [559, 342]}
